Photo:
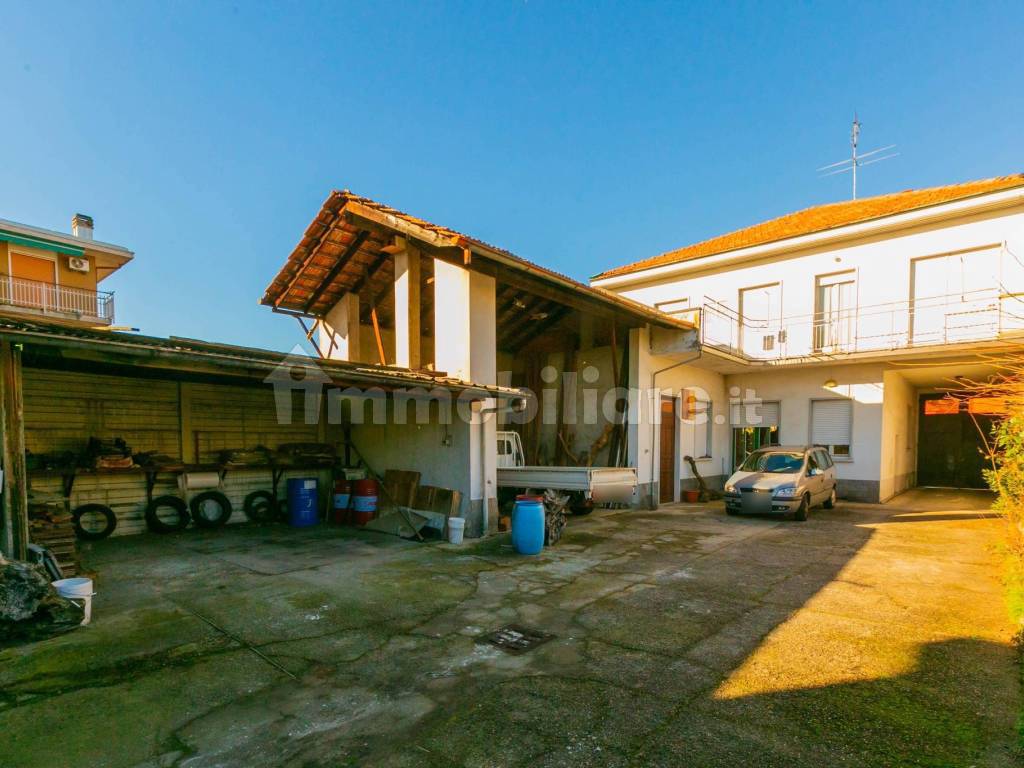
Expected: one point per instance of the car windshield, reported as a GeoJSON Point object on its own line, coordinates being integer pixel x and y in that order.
{"type": "Point", "coordinates": [777, 463]}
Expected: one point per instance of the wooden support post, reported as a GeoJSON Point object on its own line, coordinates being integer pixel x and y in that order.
{"type": "Point", "coordinates": [186, 444]}
{"type": "Point", "coordinates": [15, 484]}
{"type": "Point", "coordinates": [376, 333]}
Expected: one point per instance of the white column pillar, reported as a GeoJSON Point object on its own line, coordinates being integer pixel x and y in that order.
{"type": "Point", "coordinates": [407, 308]}
{"type": "Point", "coordinates": [465, 347]}
{"type": "Point", "coordinates": [483, 369]}
{"type": "Point", "coordinates": [341, 326]}
{"type": "Point", "coordinates": [641, 433]}
{"type": "Point", "coordinates": [451, 320]}
{"type": "Point", "coordinates": [483, 331]}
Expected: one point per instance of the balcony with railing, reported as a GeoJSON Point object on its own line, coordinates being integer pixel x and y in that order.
{"type": "Point", "coordinates": [31, 297]}
{"type": "Point", "coordinates": [962, 318]}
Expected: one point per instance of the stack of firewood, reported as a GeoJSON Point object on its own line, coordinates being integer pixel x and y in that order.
{"type": "Point", "coordinates": [555, 504]}
{"type": "Point", "coordinates": [51, 526]}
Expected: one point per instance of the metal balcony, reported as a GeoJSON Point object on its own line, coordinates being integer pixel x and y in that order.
{"type": "Point", "coordinates": [961, 318]}
{"type": "Point", "coordinates": [57, 301]}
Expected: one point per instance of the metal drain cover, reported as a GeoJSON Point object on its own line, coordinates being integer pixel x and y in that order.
{"type": "Point", "coordinates": [515, 638]}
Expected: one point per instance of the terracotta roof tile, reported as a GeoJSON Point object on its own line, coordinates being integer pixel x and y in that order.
{"type": "Point", "coordinates": [821, 218]}
{"type": "Point", "coordinates": [299, 277]}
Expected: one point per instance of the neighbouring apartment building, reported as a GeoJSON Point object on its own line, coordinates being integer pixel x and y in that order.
{"type": "Point", "coordinates": [840, 325]}
{"type": "Point", "coordinates": [55, 276]}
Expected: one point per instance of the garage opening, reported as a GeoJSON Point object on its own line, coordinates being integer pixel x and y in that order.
{"type": "Point", "coordinates": [950, 453]}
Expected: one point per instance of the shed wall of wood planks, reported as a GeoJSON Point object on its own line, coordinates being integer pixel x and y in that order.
{"type": "Point", "coordinates": [64, 409]}
{"type": "Point", "coordinates": [242, 417]}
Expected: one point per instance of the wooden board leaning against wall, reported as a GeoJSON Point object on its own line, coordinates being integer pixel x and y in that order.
{"type": "Point", "coordinates": [189, 421]}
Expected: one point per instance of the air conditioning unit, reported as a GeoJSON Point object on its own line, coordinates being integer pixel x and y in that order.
{"type": "Point", "coordinates": [78, 264]}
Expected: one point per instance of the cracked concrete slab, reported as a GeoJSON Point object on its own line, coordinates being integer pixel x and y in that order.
{"type": "Point", "coordinates": [871, 635]}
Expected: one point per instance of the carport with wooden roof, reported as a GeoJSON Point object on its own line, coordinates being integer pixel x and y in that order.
{"type": "Point", "coordinates": [368, 282]}
{"type": "Point", "coordinates": [350, 248]}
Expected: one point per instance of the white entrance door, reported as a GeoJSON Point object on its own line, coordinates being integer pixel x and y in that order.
{"type": "Point", "coordinates": [761, 320]}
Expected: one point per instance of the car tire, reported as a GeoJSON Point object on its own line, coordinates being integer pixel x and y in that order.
{"type": "Point", "coordinates": [800, 513]}
{"type": "Point", "coordinates": [198, 505]}
{"type": "Point", "coordinates": [176, 505]}
{"type": "Point", "coordinates": [261, 507]}
{"type": "Point", "coordinates": [94, 509]}
{"type": "Point", "coordinates": [731, 512]}
{"type": "Point", "coordinates": [830, 503]}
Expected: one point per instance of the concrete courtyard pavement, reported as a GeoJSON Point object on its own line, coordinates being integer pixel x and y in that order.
{"type": "Point", "coordinates": [867, 636]}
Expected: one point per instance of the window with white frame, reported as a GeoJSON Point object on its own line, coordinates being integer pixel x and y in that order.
{"type": "Point", "coordinates": [835, 310]}
{"type": "Point", "coordinates": [832, 426]}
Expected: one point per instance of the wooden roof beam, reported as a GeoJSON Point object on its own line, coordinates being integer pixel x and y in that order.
{"type": "Point", "coordinates": [306, 262]}
{"type": "Point", "coordinates": [526, 317]}
{"type": "Point", "coordinates": [339, 265]}
{"type": "Point", "coordinates": [530, 333]}
{"type": "Point", "coordinates": [370, 273]}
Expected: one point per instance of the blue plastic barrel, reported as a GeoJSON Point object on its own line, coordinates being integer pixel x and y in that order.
{"type": "Point", "coordinates": [528, 525]}
{"type": "Point", "coordinates": [303, 502]}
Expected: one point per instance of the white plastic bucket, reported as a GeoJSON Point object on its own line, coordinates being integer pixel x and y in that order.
{"type": "Point", "coordinates": [456, 528]}
{"type": "Point", "coordinates": [79, 592]}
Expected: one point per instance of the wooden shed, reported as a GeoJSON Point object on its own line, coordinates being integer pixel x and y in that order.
{"type": "Point", "coordinates": [183, 399]}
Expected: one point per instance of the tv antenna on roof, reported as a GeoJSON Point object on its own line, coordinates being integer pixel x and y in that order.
{"type": "Point", "coordinates": [855, 161]}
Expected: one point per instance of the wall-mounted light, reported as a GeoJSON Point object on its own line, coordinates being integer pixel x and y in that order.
{"type": "Point", "coordinates": [831, 383]}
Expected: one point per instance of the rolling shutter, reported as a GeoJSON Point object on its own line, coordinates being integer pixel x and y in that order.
{"type": "Point", "coordinates": [740, 414]}
{"type": "Point", "coordinates": [831, 422]}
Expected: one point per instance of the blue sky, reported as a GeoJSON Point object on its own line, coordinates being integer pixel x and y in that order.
{"type": "Point", "coordinates": [580, 135]}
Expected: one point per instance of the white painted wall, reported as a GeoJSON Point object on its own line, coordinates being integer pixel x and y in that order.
{"type": "Point", "coordinates": [647, 386]}
{"type": "Point", "coordinates": [712, 385]}
{"type": "Point", "coordinates": [882, 269]}
{"type": "Point", "coordinates": [339, 336]}
{"type": "Point", "coordinates": [899, 436]}
{"type": "Point", "coordinates": [439, 452]}
{"type": "Point", "coordinates": [794, 389]}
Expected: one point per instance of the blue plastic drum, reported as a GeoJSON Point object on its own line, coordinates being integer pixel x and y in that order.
{"type": "Point", "coordinates": [303, 502]}
{"type": "Point", "coordinates": [528, 525]}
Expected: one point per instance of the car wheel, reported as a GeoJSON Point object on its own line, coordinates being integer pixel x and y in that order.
{"type": "Point", "coordinates": [800, 513]}
{"type": "Point", "coordinates": [731, 511]}
{"type": "Point", "coordinates": [831, 502]}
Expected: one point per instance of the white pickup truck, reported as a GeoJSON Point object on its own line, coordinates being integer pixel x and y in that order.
{"type": "Point", "coordinates": [586, 485]}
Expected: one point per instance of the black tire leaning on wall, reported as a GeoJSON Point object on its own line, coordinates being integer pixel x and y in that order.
{"type": "Point", "coordinates": [197, 506]}
{"type": "Point", "coordinates": [94, 509]}
{"type": "Point", "coordinates": [261, 507]}
{"type": "Point", "coordinates": [173, 503]}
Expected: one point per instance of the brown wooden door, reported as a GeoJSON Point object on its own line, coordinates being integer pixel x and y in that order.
{"type": "Point", "coordinates": [667, 467]}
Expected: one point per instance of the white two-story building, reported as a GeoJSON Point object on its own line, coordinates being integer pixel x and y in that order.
{"type": "Point", "coordinates": [839, 325]}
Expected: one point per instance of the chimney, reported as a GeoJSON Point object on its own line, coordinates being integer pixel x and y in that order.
{"type": "Point", "coordinates": [81, 226]}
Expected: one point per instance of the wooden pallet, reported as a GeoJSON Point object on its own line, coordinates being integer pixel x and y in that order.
{"type": "Point", "coordinates": [52, 527]}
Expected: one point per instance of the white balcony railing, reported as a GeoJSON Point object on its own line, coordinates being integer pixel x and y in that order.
{"type": "Point", "coordinates": [47, 298]}
{"type": "Point", "coordinates": [935, 320]}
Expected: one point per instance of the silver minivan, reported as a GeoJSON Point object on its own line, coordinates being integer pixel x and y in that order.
{"type": "Point", "coordinates": [782, 480]}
